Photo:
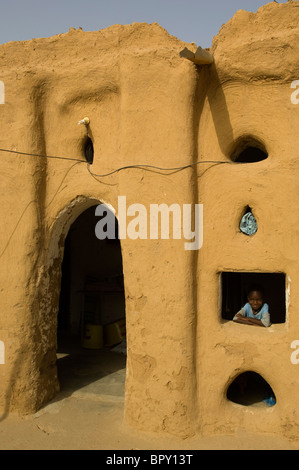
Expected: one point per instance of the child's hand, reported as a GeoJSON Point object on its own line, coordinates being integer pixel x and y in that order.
{"type": "Point", "coordinates": [238, 315]}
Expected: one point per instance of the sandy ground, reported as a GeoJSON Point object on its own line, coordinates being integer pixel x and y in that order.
{"type": "Point", "coordinates": [88, 415]}
{"type": "Point", "coordinates": [85, 423]}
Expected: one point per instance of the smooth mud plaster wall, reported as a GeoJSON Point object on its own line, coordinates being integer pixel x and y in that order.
{"type": "Point", "coordinates": [248, 90]}
{"type": "Point", "coordinates": [138, 94]}
{"type": "Point", "coordinates": [149, 105]}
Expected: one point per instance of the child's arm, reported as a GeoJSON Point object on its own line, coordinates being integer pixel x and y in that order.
{"type": "Point", "coordinates": [256, 322]}
{"type": "Point", "coordinates": [239, 318]}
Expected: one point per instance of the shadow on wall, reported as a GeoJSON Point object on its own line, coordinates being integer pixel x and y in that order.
{"type": "Point", "coordinates": [219, 110]}
{"type": "Point", "coordinates": [247, 148]}
{"type": "Point", "coordinates": [15, 373]}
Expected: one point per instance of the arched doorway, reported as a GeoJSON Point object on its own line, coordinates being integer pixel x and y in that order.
{"type": "Point", "coordinates": [91, 353]}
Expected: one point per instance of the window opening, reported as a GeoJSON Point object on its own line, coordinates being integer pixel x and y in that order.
{"type": "Point", "coordinates": [250, 388]}
{"type": "Point", "coordinates": [235, 286]}
{"type": "Point", "coordinates": [88, 150]}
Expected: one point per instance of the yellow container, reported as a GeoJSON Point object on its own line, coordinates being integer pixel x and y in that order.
{"type": "Point", "coordinates": [115, 332]}
{"type": "Point", "coordinates": [93, 336]}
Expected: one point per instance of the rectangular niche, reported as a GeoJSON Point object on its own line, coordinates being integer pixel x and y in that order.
{"type": "Point", "coordinates": [234, 288]}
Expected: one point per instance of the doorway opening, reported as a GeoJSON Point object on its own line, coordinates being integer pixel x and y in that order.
{"type": "Point", "coordinates": [250, 388]}
{"type": "Point", "coordinates": [91, 331]}
{"type": "Point", "coordinates": [235, 286]}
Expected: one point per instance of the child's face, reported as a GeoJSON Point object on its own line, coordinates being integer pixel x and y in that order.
{"type": "Point", "coordinates": [255, 299]}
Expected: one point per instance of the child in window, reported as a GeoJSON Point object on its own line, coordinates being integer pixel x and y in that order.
{"type": "Point", "coordinates": [255, 311]}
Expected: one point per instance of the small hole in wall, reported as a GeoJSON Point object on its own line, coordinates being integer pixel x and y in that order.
{"type": "Point", "coordinates": [248, 223]}
{"type": "Point", "coordinates": [250, 388]}
{"type": "Point", "coordinates": [88, 150]}
{"type": "Point", "coordinates": [248, 150]}
{"type": "Point", "coordinates": [251, 155]}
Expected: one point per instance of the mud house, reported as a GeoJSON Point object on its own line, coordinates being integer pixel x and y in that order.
{"type": "Point", "coordinates": [184, 126]}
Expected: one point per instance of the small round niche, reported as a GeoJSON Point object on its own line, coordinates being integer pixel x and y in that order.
{"type": "Point", "coordinates": [248, 150]}
{"type": "Point", "coordinates": [88, 150]}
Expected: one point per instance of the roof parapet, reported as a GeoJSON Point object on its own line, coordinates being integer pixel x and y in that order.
{"type": "Point", "coordinates": [200, 57]}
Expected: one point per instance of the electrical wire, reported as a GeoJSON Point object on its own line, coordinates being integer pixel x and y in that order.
{"type": "Point", "coordinates": [40, 155]}
{"type": "Point", "coordinates": [145, 167]}
{"type": "Point", "coordinates": [126, 167]}
{"type": "Point", "coordinates": [153, 167]}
